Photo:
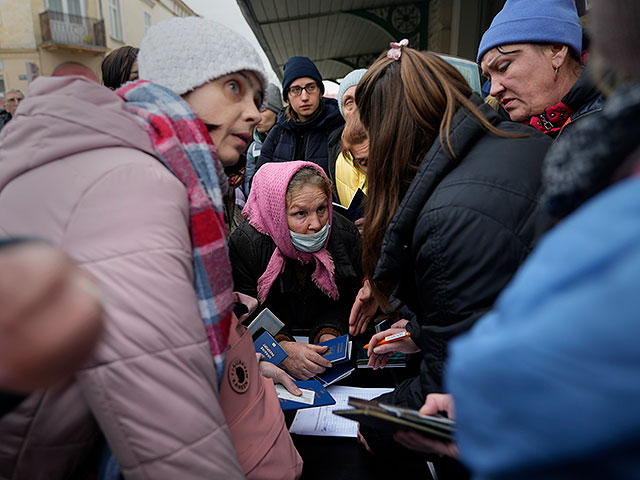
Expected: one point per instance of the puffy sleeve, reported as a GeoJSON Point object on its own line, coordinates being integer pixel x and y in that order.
{"type": "Point", "coordinates": [151, 384]}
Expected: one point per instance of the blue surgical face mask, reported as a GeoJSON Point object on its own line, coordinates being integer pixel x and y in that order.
{"type": "Point", "coordinates": [310, 242]}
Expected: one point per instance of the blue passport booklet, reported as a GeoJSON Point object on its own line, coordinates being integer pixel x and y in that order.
{"type": "Point", "coordinates": [335, 374]}
{"type": "Point", "coordinates": [321, 396]}
{"type": "Point", "coordinates": [272, 351]}
{"type": "Point", "coordinates": [338, 349]}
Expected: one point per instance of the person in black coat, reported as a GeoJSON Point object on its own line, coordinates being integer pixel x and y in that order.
{"type": "Point", "coordinates": [303, 128]}
{"type": "Point", "coordinates": [451, 211]}
{"type": "Point", "coordinates": [298, 260]}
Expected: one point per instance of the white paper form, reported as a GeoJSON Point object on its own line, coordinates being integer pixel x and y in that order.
{"type": "Point", "coordinates": [321, 421]}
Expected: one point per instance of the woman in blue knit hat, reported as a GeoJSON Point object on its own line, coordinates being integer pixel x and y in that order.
{"type": "Point", "coordinates": [546, 384]}
{"type": "Point", "coordinates": [531, 54]}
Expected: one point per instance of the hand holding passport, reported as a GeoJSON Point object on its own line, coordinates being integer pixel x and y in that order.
{"type": "Point", "coordinates": [338, 353]}
{"type": "Point", "coordinates": [393, 418]}
{"type": "Point", "coordinates": [304, 360]}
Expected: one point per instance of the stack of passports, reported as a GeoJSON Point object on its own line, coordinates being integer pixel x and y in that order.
{"type": "Point", "coordinates": [335, 374]}
{"type": "Point", "coordinates": [321, 396]}
{"type": "Point", "coordinates": [339, 354]}
{"type": "Point", "coordinates": [392, 418]}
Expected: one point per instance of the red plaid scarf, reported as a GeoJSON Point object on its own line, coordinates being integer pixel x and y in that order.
{"type": "Point", "coordinates": [184, 146]}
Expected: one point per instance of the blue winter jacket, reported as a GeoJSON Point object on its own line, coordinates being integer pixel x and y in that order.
{"type": "Point", "coordinates": [289, 140]}
{"type": "Point", "coordinates": [547, 385]}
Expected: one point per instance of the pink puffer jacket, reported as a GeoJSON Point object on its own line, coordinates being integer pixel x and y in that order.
{"type": "Point", "coordinates": [76, 169]}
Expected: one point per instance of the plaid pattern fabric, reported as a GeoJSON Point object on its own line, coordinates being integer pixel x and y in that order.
{"type": "Point", "coordinates": [184, 146]}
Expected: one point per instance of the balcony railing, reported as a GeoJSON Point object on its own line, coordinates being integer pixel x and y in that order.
{"type": "Point", "coordinates": [72, 31]}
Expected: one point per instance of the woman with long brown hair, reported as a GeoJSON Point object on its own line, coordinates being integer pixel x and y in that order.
{"type": "Point", "coordinates": [451, 209]}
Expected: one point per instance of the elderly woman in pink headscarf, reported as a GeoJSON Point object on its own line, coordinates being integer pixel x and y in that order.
{"type": "Point", "coordinates": [298, 259]}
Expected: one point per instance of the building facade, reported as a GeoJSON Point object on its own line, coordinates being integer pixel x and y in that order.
{"type": "Point", "coordinates": [38, 35]}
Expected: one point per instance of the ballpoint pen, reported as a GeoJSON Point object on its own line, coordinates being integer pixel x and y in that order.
{"type": "Point", "coordinates": [391, 338]}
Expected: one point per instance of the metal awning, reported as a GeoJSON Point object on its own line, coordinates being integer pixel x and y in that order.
{"type": "Point", "coordinates": [338, 35]}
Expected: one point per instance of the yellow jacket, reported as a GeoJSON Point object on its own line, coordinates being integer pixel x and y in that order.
{"type": "Point", "coordinates": [348, 179]}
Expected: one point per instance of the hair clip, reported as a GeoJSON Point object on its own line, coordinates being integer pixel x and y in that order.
{"type": "Point", "coordinates": [396, 49]}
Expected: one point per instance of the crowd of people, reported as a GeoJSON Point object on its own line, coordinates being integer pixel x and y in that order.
{"type": "Point", "coordinates": [146, 220]}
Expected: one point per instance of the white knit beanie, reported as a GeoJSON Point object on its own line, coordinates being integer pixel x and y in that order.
{"type": "Point", "coordinates": [185, 53]}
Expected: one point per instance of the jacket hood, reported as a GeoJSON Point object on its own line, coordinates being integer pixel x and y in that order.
{"type": "Point", "coordinates": [328, 118]}
{"type": "Point", "coordinates": [62, 116]}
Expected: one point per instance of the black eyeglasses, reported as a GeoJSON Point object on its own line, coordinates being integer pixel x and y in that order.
{"type": "Point", "coordinates": [310, 88]}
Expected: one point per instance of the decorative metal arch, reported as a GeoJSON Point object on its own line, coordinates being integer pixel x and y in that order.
{"type": "Point", "coordinates": [408, 20]}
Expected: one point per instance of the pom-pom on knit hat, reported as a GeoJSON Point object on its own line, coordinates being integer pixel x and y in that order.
{"type": "Point", "coordinates": [298, 67]}
{"type": "Point", "coordinates": [534, 21]}
{"type": "Point", "coordinates": [350, 80]}
{"type": "Point", "coordinates": [185, 53]}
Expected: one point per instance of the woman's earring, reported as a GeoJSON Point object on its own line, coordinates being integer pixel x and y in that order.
{"type": "Point", "coordinates": [556, 69]}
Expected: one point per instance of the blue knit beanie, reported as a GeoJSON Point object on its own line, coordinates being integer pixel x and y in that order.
{"type": "Point", "coordinates": [349, 81]}
{"type": "Point", "coordinates": [534, 21]}
{"type": "Point", "coordinates": [298, 67]}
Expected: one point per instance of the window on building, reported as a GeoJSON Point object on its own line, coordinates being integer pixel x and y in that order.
{"type": "Point", "coordinates": [147, 22]}
{"type": "Point", "coordinates": [75, 11]}
{"type": "Point", "coordinates": [56, 5]}
{"type": "Point", "coordinates": [57, 10]}
{"type": "Point", "coordinates": [115, 20]}
{"type": "Point", "coordinates": [72, 8]}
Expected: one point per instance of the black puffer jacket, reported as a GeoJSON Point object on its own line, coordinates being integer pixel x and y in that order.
{"type": "Point", "coordinates": [460, 233]}
{"type": "Point", "coordinates": [289, 140]}
{"type": "Point", "coordinates": [294, 298]}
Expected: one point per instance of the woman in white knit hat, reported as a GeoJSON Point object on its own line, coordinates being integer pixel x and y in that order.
{"type": "Point", "coordinates": [130, 185]}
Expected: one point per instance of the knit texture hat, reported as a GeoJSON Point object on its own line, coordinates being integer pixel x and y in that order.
{"type": "Point", "coordinates": [298, 67]}
{"type": "Point", "coordinates": [266, 210]}
{"type": "Point", "coordinates": [185, 53]}
{"type": "Point", "coordinates": [273, 99]}
{"type": "Point", "coordinates": [534, 21]}
{"type": "Point", "coordinates": [349, 81]}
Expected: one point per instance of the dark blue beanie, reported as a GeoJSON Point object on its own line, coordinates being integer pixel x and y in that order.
{"type": "Point", "coordinates": [298, 67]}
{"type": "Point", "coordinates": [534, 21]}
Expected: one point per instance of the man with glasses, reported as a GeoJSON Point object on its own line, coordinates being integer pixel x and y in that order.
{"type": "Point", "coordinates": [11, 100]}
{"type": "Point", "coordinates": [303, 127]}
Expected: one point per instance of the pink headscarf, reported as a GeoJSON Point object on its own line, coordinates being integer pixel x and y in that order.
{"type": "Point", "coordinates": [266, 210]}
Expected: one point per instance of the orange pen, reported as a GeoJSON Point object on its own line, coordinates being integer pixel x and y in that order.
{"type": "Point", "coordinates": [392, 338]}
